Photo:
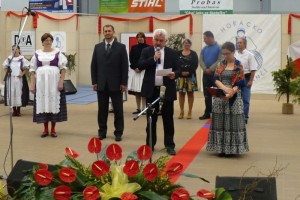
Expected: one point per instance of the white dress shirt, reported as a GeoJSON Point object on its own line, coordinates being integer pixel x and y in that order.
{"type": "Point", "coordinates": [159, 79]}
{"type": "Point", "coordinates": [247, 60]}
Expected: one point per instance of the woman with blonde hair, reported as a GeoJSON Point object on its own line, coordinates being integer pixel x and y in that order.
{"type": "Point", "coordinates": [187, 81]}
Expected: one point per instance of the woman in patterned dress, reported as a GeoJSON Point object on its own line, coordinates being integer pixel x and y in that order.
{"type": "Point", "coordinates": [17, 81]}
{"type": "Point", "coordinates": [227, 133]}
{"type": "Point", "coordinates": [187, 81]}
{"type": "Point", "coordinates": [48, 67]}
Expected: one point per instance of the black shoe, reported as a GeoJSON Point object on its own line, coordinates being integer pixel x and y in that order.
{"type": "Point", "coordinates": [171, 152]}
{"type": "Point", "coordinates": [203, 117]}
{"type": "Point", "coordinates": [53, 134]}
{"type": "Point", "coordinates": [102, 137]}
{"type": "Point", "coordinates": [118, 138]}
{"type": "Point", "coordinates": [137, 111]}
{"type": "Point", "coordinates": [44, 134]}
{"type": "Point", "coordinates": [221, 155]}
{"type": "Point", "coordinates": [111, 110]}
{"type": "Point", "coordinates": [246, 121]}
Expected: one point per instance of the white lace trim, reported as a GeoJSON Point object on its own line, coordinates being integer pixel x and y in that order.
{"type": "Point", "coordinates": [47, 93]}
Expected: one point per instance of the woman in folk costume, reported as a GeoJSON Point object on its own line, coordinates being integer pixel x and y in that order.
{"type": "Point", "coordinates": [16, 86]}
{"type": "Point", "coordinates": [136, 76]}
{"type": "Point", "coordinates": [48, 68]}
{"type": "Point", "coordinates": [227, 135]}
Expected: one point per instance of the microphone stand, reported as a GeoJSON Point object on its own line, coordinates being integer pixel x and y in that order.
{"type": "Point", "coordinates": [149, 109]}
{"type": "Point", "coordinates": [7, 79]}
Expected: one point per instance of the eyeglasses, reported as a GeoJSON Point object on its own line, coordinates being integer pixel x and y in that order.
{"type": "Point", "coordinates": [226, 53]}
{"type": "Point", "coordinates": [48, 40]}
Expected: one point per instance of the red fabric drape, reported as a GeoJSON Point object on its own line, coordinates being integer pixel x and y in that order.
{"type": "Point", "coordinates": [115, 19]}
{"type": "Point", "coordinates": [179, 18]}
{"type": "Point", "coordinates": [290, 22]}
{"type": "Point", "coordinates": [35, 18]}
{"type": "Point", "coordinates": [151, 21]}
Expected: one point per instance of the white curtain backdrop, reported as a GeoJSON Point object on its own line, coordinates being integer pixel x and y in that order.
{"type": "Point", "coordinates": [263, 34]}
{"type": "Point", "coordinates": [294, 50]}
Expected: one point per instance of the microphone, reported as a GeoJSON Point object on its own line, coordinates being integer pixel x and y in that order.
{"type": "Point", "coordinates": [162, 96]}
{"type": "Point", "coordinates": [29, 12]}
{"type": "Point", "coordinates": [158, 60]}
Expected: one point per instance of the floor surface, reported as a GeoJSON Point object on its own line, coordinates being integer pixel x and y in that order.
{"type": "Point", "coordinates": [273, 140]}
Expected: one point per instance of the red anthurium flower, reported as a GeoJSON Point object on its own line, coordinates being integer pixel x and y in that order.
{"type": "Point", "coordinates": [150, 171]}
{"type": "Point", "coordinates": [131, 168]}
{"type": "Point", "coordinates": [71, 152]}
{"type": "Point", "coordinates": [180, 194]}
{"type": "Point", "coordinates": [94, 145]}
{"type": "Point", "coordinates": [67, 175]}
{"type": "Point", "coordinates": [144, 152]}
{"type": "Point", "coordinates": [62, 192]}
{"type": "Point", "coordinates": [43, 177]}
{"type": "Point", "coordinates": [128, 196]}
{"type": "Point", "coordinates": [42, 166]}
{"type": "Point", "coordinates": [114, 152]}
{"type": "Point", "coordinates": [174, 169]}
{"type": "Point", "coordinates": [205, 194]}
{"type": "Point", "coordinates": [99, 168]}
{"type": "Point", "coordinates": [91, 193]}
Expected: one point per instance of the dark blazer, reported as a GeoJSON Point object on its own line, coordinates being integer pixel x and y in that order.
{"type": "Point", "coordinates": [109, 69]}
{"type": "Point", "coordinates": [135, 54]}
{"type": "Point", "coordinates": [148, 64]}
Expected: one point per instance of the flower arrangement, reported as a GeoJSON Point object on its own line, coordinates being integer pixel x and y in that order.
{"type": "Point", "coordinates": [108, 179]}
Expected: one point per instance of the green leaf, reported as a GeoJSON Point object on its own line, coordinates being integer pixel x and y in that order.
{"type": "Point", "coordinates": [194, 176]}
{"type": "Point", "coordinates": [151, 195]}
{"type": "Point", "coordinates": [222, 194]}
{"type": "Point", "coordinates": [132, 156]}
{"type": "Point", "coordinates": [66, 162]}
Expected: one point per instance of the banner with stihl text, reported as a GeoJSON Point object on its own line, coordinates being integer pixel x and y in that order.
{"type": "Point", "coordinates": [142, 6]}
{"type": "Point", "coordinates": [131, 6]}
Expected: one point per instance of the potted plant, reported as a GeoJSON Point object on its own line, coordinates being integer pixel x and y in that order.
{"type": "Point", "coordinates": [295, 84]}
{"type": "Point", "coordinates": [175, 41]}
{"type": "Point", "coordinates": [71, 65]}
{"type": "Point", "coordinates": [71, 62]}
{"type": "Point", "coordinates": [283, 82]}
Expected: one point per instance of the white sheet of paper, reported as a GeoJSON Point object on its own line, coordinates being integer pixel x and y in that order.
{"type": "Point", "coordinates": [163, 72]}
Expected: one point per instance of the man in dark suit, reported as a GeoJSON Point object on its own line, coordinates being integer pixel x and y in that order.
{"type": "Point", "coordinates": [153, 58]}
{"type": "Point", "coordinates": [109, 72]}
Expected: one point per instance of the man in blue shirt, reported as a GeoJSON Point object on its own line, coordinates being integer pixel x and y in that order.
{"type": "Point", "coordinates": [210, 57]}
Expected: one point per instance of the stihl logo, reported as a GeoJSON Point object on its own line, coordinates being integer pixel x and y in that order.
{"type": "Point", "coordinates": [146, 3]}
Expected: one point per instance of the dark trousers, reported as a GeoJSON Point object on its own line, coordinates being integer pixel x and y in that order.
{"type": "Point", "coordinates": [117, 102]}
{"type": "Point", "coordinates": [167, 111]}
{"type": "Point", "coordinates": [207, 81]}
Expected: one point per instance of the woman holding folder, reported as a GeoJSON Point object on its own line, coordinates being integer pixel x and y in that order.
{"type": "Point", "coordinates": [227, 135]}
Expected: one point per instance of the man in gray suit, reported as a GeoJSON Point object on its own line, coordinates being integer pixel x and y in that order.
{"type": "Point", "coordinates": [109, 72]}
{"type": "Point", "coordinates": [154, 58]}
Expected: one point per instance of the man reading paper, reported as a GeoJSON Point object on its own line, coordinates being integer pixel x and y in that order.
{"type": "Point", "coordinates": [152, 83]}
